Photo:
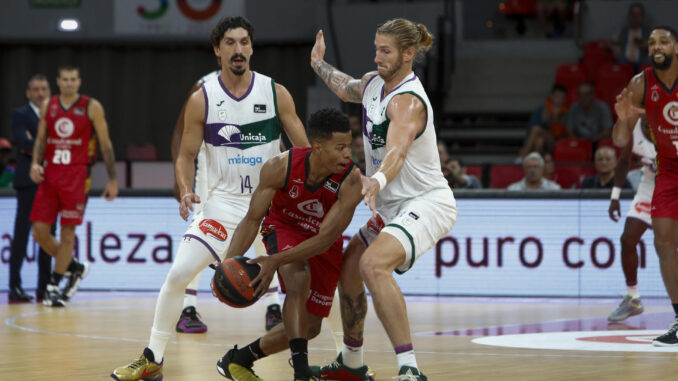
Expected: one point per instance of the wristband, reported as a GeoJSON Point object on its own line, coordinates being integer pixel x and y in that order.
{"type": "Point", "coordinates": [381, 179]}
{"type": "Point", "coordinates": [615, 193]}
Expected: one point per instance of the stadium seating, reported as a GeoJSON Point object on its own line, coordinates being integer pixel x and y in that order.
{"type": "Point", "coordinates": [518, 7]}
{"type": "Point", "coordinates": [570, 176]}
{"type": "Point", "coordinates": [596, 55]}
{"type": "Point", "coordinates": [475, 170]}
{"type": "Point", "coordinates": [611, 80]}
{"type": "Point", "coordinates": [572, 150]}
{"type": "Point", "coordinates": [609, 143]}
{"type": "Point", "coordinates": [570, 76]}
{"type": "Point", "coordinates": [501, 176]}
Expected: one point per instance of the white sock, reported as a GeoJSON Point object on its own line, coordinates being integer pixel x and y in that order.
{"type": "Point", "coordinates": [633, 291]}
{"type": "Point", "coordinates": [334, 322]}
{"type": "Point", "coordinates": [407, 358]}
{"type": "Point", "coordinates": [352, 355]}
{"type": "Point", "coordinates": [191, 258]}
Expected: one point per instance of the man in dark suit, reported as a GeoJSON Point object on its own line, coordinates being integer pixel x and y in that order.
{"type": "Point", "coordinates": [24, 128]}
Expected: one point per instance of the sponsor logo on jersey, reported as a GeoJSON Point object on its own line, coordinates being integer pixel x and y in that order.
{"type": "Point", "coordinates": [220, 103]}
{"type": "Point", "coordinates": [79, 111]}
{"type": "Point", "coordinates": [247, 160]}
{"type": "Point", "coordinates": [655, 96]}
{"type": "Point", "coordinates": [413, 215]}
{"type": "Point", "coordinates": [222, 115]}
{"type": "Point", "coordinates": [64, 127]}
{"type": "Point", "coordinates": [375, 224]}
{"type": "Point", "coordinates": [214, 229]}
{"type": "Point", "coordinates": [233, 134]}
{"type": "Point", "coordinates": [670, 113]}
{"type": "Point", "coordinates": [259, 109]}
{"type": "Point", "coordinates": [312, 208]}
{"type": "Point", "coordinates": [332, 185]}
{"type": "Point", "coordinates": [298, 181]}
{"type": "Point", "coordinates": [294, 191]}
{"type": "Point", "coordinates": [376, 162]}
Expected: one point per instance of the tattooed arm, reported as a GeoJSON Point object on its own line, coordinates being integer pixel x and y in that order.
{"type": "Point", "coordinates": [347, 88]}
{"type": "Point", "coordinates": [96, 114]}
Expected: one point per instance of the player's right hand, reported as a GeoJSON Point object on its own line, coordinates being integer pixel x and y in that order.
{"type": "Point", "coordinates": [614, 211]}
{"type": "Point", "coordinates": [318, 51]}
{"type": "Point", "coordinates": [186, 204]}
{"type": "Point", "coordinates": [624, 107]}
{"type": "Point", "coordinates": [37, 173]}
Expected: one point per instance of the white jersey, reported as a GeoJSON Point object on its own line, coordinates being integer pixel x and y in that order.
{"type": "Point", "coordinates": [241, 134]}
{"type": "Point", "coordinates": [200, 171]}
{"type": "Point", "coordinates": [421, 172]}
{"type": "Point", "coordinates": [645, 148]}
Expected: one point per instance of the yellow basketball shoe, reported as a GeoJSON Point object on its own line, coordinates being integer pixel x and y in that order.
{"type": "Point", "coordinates": [142, 369]}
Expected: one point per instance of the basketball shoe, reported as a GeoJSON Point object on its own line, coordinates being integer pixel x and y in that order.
{"type": "Point", "coordinates": [227, 367]}
{"type": "Point", "coordinates": [338, 371]}
{"type": "Point", "coordinates": [630, 306]}
{"type": "Point", "coordinates": [145, 368]}
{"type": "Point", "coordinates": [408, 373]}
{"type": "Point", "coordinates": [53, 297]}
{"type": "Point", "coordinates": [273, 316]}
{"type": "Point", "coordinates": [669, 339]}
{"type": "Point", "coordinates": [190, 322]}
{"type": "Point", "coordinates": [73, 279]}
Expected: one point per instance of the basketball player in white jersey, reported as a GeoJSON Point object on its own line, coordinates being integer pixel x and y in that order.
{"type": "Point", "coordinates": [190, 321]}
{"type": "Point", "coordinates": [638, 219]}
{"type": "Point", "coordinates": [413, 207]}
{"type": "Point", "coordinates": [239, 115]}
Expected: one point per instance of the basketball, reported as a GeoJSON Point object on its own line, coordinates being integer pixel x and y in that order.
{"type": "Point", "coordinates": [230, 283]}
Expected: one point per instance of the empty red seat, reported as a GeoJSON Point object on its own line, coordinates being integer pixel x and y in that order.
{"type": "Point", "coordinates": [572, 150]}
{"type": "Point", "coordinates": [596, 54]}
{"type": "Point", "coordinates": [570, 76]}
{"type": "Point", "coordinates": [501, 176]}
{"type": "Point", "coordinates": [570, 176]}
{"type": "Point", "coordinates": [475, 170]}
{"type": "Point", "coordinates": [612, 79]}
{"type": "Point", "coordinates": [518, 7]}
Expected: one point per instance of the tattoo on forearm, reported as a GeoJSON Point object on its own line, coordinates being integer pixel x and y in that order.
{"type": "Point", "coordinates": [342, 84]}
{"type": "Point", "coordinates": [109, 159]}
{"type": "Point", "coordinates": [353, 312]}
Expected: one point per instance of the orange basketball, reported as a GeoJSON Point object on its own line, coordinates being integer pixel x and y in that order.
{"type": "Point", "coordinates": [230, 283]}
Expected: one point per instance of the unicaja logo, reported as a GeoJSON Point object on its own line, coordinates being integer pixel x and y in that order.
{"type": "Point", "coordinates": [64, 127]}
{"type": "Point", "coordinates": [228, 131]}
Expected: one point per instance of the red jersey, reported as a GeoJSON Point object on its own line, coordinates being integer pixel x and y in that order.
{"type": "Point", "coordinates": [661, 109]}
{"type": "Point", "coordinates": [70, 133]}
{"type": "Point", "coordinates": [296, 205]}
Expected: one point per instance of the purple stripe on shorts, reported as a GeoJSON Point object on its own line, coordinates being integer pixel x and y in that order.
{"type": "Point", "coordinates": [362, 238]}
{"type": "Point", "coordinates": [352, 343]}
{"type": "Point", "coordinates": [214, 254]}
{"type": "Point", "coordinates": [272, 289]}
{"type": "Point", "coordinates": [191, 292]}
{"type": "Point", "coordinates": [403, 348]}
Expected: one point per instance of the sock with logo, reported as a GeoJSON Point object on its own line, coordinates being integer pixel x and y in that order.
{"type": "Point", "coordinates": [299, 348]}
{"type": "Point", "coordinates": [247, 355]}
{"type": "Point", "coordinates": [405, 356]}
{"type": "Point", "coordinates": [352, 353]}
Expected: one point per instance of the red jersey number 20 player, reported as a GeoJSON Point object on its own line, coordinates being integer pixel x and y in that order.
{"type": "Point", "coordinates": [70, 124]}
{"type": "Point", "coordinates": [654, 92]}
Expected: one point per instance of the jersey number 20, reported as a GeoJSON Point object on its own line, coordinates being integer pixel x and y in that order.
{"type": "Point", "coordinates": [61, 156]}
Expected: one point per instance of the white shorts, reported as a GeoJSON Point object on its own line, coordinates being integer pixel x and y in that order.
{"type": "Point", "coordinates": [641, 205]}
{"type": "Point", "coordinates": [214, 225]}
{"type": "Point", "coordinates": [417, 224]}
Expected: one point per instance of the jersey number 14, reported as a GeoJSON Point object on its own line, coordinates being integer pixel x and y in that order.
{"type": "Point", "coordinates": [245, 184]}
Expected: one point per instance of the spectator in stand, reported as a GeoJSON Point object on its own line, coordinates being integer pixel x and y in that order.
{"type": "Point", "coordinates": [6, 172]}
{"type": "Point", "coordinates": [554, 11]}
{"type": "Point", "coordinates": [606, 162]}
{"type": "Point", "coordinates": [549, 166]}
{"type": "Point", "coordinates": [589, 118]}
{"type": "Point", "coordinates": [457, 177]}
{"type": "Point", "coordinates": [629, 45]}
{"type": "Point", "coordinates": [547, 124]}
{"type": "Point", "coordinates": [534, 176]}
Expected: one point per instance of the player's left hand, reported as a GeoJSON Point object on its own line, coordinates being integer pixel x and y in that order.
{"type": "Point", "coordinates": [111, 190]}
{"type": "Point", "coordinates": [369, 192]}
{"type": "Point", "coordinates": [269, 264]}
{"type": "Point", "coordinates": [614, 210]}
{"type": "Point", "coordinates": [318, 51]}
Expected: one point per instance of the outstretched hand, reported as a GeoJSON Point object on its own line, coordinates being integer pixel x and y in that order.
{"type": "Point", "coordinates": [318, 51]}
{"type": "Point", "coordinates": [186, 204]}
{"type": "Point", "coordinates": [268, 264]}
{"type": "Point", "coordinates": [625, 108]}
{"type": "Point", "coordinates": [370, 191]}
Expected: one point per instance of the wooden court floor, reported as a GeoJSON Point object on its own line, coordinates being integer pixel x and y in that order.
{"type": "Point", "coordinates": [99, 331]}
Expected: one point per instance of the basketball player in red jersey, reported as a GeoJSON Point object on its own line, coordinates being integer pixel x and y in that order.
{"type": "Point", "coordinates": [312, 196]}
{"type": "Point", "coordinates": [69, 126]}
{"type": "Point", "coordinates": [656, 90]}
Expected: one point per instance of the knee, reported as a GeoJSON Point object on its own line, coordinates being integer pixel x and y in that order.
{"type": "Point", "coordinates": [628, 242]}
{"type": "Point", "coordinates": [39, 235]}
{"type": "Point", "coordinates": [666, 249]}
{"type": "Point", "coordinates": [371, 269]}
{"type": "Point", "coordinates": [177, 279]}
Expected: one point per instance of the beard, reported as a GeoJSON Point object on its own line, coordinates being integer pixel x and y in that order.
{"type": "Point", "coordinates": [664, 64]}
{"type": "Point", "coordinates": [240, 70]}
{"type": "Point", "coordinates": [394, 69]}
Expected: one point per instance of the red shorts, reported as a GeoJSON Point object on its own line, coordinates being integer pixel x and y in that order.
{"type": "Point", "coordinates": [325, 268]}
{"type": "Point", "coordinates": [64, 190]}
{"type": "Point", "coordinates": [665, 197]}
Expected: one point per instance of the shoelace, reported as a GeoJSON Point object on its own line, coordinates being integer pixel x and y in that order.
{"type": "Point", "coordinates": [673, 328]}
{"type": "Point", "coordinates": [139, 363]}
